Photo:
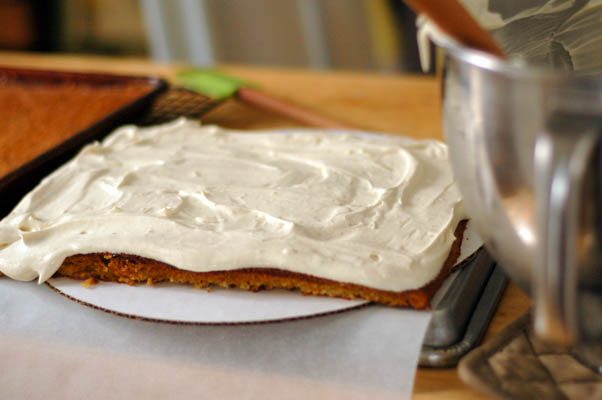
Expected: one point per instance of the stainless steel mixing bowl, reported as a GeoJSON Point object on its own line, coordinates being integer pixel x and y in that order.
{"type": "Point", "coordinates": [525, 148]}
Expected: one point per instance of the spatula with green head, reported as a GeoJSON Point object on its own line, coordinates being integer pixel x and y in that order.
{"type": "Point", "coordinates": [220, 87]}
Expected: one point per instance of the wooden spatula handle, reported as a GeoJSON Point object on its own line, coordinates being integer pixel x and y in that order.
{"type": "Point", "coordinates": [457, 22]}
{"type": "Point", "coordinates": [284, 108]}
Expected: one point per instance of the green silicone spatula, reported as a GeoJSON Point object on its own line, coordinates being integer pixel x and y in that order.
{"type": "Point", "coordinates": [219, 87]}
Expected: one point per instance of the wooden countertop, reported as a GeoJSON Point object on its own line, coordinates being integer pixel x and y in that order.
{"type": "Point", "coordinates": [399, 104]}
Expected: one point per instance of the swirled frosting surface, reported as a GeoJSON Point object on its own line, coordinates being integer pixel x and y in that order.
{"type": "Point", "coordinates": [374, 210]}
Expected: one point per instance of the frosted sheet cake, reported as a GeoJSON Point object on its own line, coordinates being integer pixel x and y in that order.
{"type": "Point", "coordinates": [339, 214]}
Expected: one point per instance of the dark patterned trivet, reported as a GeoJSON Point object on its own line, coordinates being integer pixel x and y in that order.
{"type": "Point", "coordinates": [517, 365]}
{"type": "Point", "coordinates": [178, 102]}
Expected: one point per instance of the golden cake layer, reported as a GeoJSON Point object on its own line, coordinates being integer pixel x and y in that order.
{"type": "Point", "coordinates": [133, 270]}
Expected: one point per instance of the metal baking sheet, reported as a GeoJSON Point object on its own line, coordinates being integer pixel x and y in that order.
{"type": "Point", "coordinates": [453, 304]}
{"type": "Point", "coordinates": [36, 111]}
{"type": "Point", "coordinates": [462, 311]}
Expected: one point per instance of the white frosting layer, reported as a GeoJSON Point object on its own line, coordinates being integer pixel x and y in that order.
{"type": "Point", "coordinates": [375, 210]}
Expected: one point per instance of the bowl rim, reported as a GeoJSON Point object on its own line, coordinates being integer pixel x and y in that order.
{"type": "Point", "coordinates": [510, 67]}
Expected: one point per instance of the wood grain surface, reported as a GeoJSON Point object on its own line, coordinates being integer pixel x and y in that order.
{"type": "Point", "coordinates": [397, 104]}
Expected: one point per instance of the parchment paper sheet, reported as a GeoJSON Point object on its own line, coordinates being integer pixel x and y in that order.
{"type": "Point", "coordinates": [51, 348]}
